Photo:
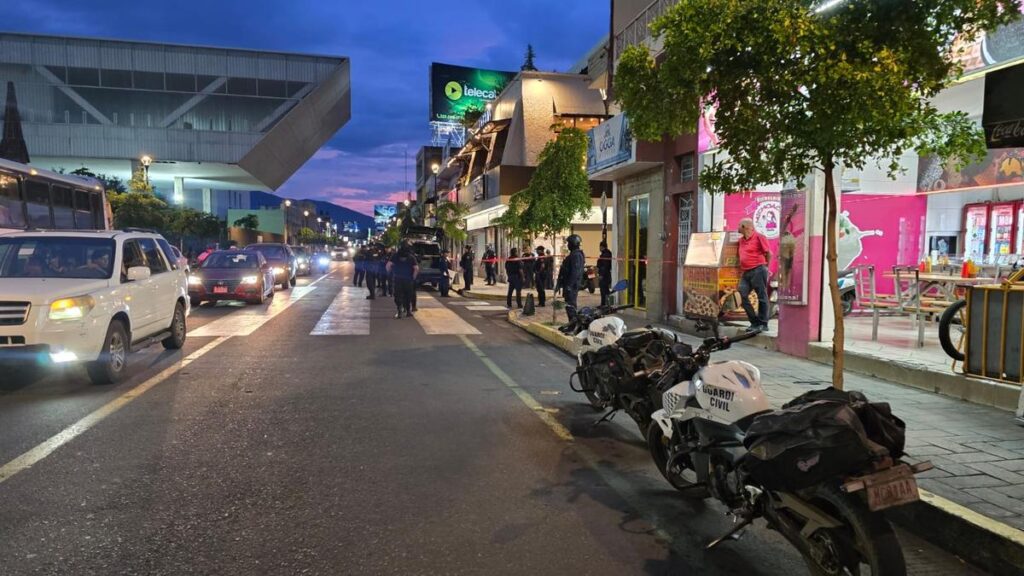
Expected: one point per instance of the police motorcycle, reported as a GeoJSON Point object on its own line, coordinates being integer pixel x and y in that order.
{"type": "Point", "coordinates": [322, 261]}
{"type": "Point", "coordinates": [820, 471]}
{"type": "Point", "coordinates": [578, 327]}
{"type": "Point", "coordinates": [614, 364]}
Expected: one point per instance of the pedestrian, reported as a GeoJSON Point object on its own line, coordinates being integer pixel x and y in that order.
{"type": "Point", "coordinates": [490, 268]}
{"type": "Point", "coordinates": [541, 271]}
{"type": "Point", "coordinates": [444, 284]}
{"type": "Point", "coordinates": [370, 265]}
{"type": "Point", "coordinates": [514, 272]}
{"type": "Point", "coordinates": [358, 260]}
{"type": "Point", "coordinates": [466, 263]}
{"type": "Point", "coordinates": [404, 267]}
{"type": "Point", "coordinates": [528, 262]}
{"type": "Point", "coordinates": [604, 273]}
{"type": "Point", "coordinates": [210, 249]}
{"type": "Point", "coordinates": [754, 258]}
{"type": "Point", "coordinates": [570, 274]}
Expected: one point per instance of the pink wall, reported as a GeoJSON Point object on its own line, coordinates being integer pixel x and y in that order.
{"type": "Point", "coordinates": [883, 230]}
{"type": "Point", "coordinates": [799, 325]}
{"type": "Point", "coordinates": [764, 209]}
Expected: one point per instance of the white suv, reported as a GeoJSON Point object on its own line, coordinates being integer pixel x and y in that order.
{"type": "Point", "coordinates": [89, 297]}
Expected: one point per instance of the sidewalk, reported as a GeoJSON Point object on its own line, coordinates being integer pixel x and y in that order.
{"type": "Point", "coordinates": [978, 451]}
{"type": "Point", "coordinates": [499, 291]}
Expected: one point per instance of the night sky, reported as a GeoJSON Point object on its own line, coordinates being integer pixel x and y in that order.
{"type": "Point", "coordinates": [390, 43]}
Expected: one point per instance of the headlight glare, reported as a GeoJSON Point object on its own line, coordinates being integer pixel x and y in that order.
{"type": "Point", "coordinates": [249, 280]}
{"type": "Point", "coordinates": [71, 308]}
{"type": "Point", "coordinates": [195, 280]}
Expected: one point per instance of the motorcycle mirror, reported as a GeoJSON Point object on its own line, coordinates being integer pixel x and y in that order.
{"type": "Point", "coordinates": [620, 285]}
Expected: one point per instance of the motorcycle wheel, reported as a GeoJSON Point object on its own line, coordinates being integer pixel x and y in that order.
{"type": "Point", "coordinates": [680, 476]}
{"type": "Point", "coordinates": [951, 327]}
{"type": "Point", "coordinates": [866, 544]}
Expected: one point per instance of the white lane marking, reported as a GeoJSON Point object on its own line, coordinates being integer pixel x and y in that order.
{"type": "Point", "coordinates": [348, 315]}
{"type": "Point", "coordinates": [486, 308]}
{"type": "Point", "coordinates": [466, 303]}
{"type": "Point", "coordinates": [436, 319]}
{"type": "Point", "coordinates": [35, 455]}
{"type": "Point", "coordinates": [248, 320]}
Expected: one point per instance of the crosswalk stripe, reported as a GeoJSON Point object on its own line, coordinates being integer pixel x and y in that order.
{"type": "Point", "coordinates": [486, 308]}
{"type": "Point", "coordinates": [436, 319]}
{"type": "Point", "coordinates": [248, 320]}
{"type": "Point", "coordinates": [348, 315]}
{"type": "Point", "coordinates": [466, 303]}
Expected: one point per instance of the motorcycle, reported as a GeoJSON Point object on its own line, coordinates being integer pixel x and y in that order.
{"type": "Point", "coordinates": [713, 437]}
{"type": "Point", "coordinates": [847, 290]}
{"type": "Point", "coordinates": [323, 263]}
{"type": "Point", "coordinates": [588, 281]}
{"type": "Point", "coordinates": [584, 316]}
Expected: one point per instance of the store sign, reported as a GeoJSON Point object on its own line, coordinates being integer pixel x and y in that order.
{"type": "Point", "coordinates": [1000, 46]}
{"type": "Point", "coordinates": [1003, 118]}
{"type": "Point", "coordinates": [454, 90]}
{"type": "Point", "coordinates": [382, 214]}
{"type": "Point", "coordinates": [608, 144]}
{"type": "Point", "coordinates": [792, 260]}
{"type": "Point", "coordinates": [1001, 167]}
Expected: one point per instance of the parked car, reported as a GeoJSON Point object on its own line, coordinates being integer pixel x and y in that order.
{"type": "Point", "coordinates": [303, 260]}
{"type": "Point", "coordinates": [88, 297]}
{"type": "Point", "coordinates": [282, 262]}
{"type": "Point", "coordinates": [428, 252]}
{"type": "Point", "coordinates": [232, 275]}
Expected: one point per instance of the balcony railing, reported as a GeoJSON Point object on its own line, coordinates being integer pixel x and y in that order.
{"type": "Point", "coordinates": [639, 29]}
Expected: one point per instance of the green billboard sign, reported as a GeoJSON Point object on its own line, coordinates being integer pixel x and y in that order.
{"type": "Point", "coordinates": [456, 89]}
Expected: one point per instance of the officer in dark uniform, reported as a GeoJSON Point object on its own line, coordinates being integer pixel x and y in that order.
{"type": "Point", "coordinates": [491, 266]}
{"type": "Point", "coordinates": [444, 285]}
{"type": "Point", "coordinates": [370, 260]}
{"type": "Point", "coordinates": [466, 263]}
{"type": "Point", "coordinates": [604, 273]}
{"type": "Point", "coordinates": [528, 261]}
{"type": "Point", "coordinates": [358, 260]}
{"type": "Point", "coordinates": [404, 267]}
{"type": "Point", "coordinates": [570, 273]}
{"type": "Point", "coordinates": [541, 271]}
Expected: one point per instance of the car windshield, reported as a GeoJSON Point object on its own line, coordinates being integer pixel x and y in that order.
{"type": "Point", "coordinates": [56, 257]}
{"type": "Point", "coordinates": [231, 260]}
{"type": "Point", "coordinates": [269, 251]}
{"type": "Point", "coordinates": [299, 251]}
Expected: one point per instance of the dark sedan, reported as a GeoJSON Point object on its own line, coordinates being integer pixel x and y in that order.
{"type": "Point", "coordinates": [232, 275]}
{"type": "Point", "coordinates": [282, 262]}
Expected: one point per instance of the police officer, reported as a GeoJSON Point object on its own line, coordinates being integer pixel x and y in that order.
{"type": "Point", "coordinates": [541, 271]}
{"type": "Point", "coordinates": [604, 273]}
{"type": "Point", "coordinates": [490, 266]}
{"type": "Point", "coordinates": [570, 274]}
{"type": "Point", "coordinates": [514, 272]}
{"type": "Point", "coordinates": [444, 285]}
{"type": "Point", "coordinates": [466, 263]}
{"type": "Point", "coordinates": [528, 262]}
{"type": "Point", "coordinates": [370, 260]}
{"type": "Point", "coordinates": [404, 267]}
{"type": "Point", "coordinates": [358, 260]}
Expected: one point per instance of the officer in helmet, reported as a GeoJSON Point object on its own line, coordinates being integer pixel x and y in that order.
{"type": "Point", "coordinates": [570, 274]}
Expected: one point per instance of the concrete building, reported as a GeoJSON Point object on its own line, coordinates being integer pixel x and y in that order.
{"type": "Point", "coordinates": [501, 155]}
{"type": "Point", "coordinates": [210, 119]}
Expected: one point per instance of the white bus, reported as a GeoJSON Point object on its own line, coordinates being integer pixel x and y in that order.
{"type": "Point", "coordinates": [36, 199]}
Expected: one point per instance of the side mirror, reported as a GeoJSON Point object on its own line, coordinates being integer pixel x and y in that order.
{"type": "Point", "coordinates": [620, 285]}
{"type": "Point", "coordinates": [136, 273]}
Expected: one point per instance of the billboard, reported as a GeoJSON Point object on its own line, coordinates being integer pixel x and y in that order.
{"type": "Point", "coordinates": [382, 213]}
{"type": "Point", "coordinates": [456, 89]}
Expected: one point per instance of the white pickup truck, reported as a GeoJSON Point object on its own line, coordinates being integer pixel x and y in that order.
{"type": "Point", "coordinates": [89, 297]}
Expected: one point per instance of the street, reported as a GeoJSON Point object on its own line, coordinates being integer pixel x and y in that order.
{"type": "Point", "coordinates": [318, 435]}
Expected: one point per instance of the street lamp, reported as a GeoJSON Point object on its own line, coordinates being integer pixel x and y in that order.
{"type": "Point", "coordinates": [305, 218]}
{"type": "Point", "coordinates": [146, 161]}
{"type": "Point", "coordinates": [285, 206]}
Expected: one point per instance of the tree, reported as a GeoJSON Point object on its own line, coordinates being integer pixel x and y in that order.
{"type": "Point", "coordinates": [799, 89]}
{"type": "Point", "coordinates": [140, 183]}
{"type": "Point", "coordinates": [138, 210]}
{"type": "Point", "coordinates": [470, 116]}
{"type": "Point", "coordinates": [112, 184]}
{"type": "Point", "coordinates": [306, 236]}
{"type": "Point", "coordinates": [249, 222]}
{"type": "Point", "coordinates": [451, 219]}
{"type": "Point", "coordinates": [392, 235]}
{"type": "Point", "coordinates": [557, 193]}
{"type": "Point", "coordinates": [528, 64]}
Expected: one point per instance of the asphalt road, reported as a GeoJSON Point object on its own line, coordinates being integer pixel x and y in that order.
{"type": "Point", "coordinates": [318, 435]}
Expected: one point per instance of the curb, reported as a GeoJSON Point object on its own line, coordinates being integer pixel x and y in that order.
{"type": "Point", "coordinates": [483, 296]}
{"type": "Point", "coordinates": [986, 543]}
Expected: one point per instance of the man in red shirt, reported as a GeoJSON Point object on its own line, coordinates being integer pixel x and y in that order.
{"type": "Point", "coordinates": [754, 258]}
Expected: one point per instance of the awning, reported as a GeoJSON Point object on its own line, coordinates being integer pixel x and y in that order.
{"type": "Point", "coordinates": [576, 100]}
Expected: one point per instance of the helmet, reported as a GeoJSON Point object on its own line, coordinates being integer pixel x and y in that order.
{"type": "Point", "coordinates": [574, 241]}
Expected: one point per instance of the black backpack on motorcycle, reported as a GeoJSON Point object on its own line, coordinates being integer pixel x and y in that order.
{"type": "Point", "coordinates": [608, 371]}
{"type": "Point", "coordinates": [880, 425]}
{"type": "Point", "coordinates": [806, 444]}
{"type": "Point", "coordinates": [635, 342]}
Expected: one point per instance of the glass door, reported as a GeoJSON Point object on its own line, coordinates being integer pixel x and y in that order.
{"type": "Point", "coordinates": [636, 250]}
{"type": "Point", "coordinates": [975, 227]}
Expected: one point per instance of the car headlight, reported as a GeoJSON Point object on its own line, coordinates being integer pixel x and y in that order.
{"type": "Point", "coordinates": [302, 260]}
{"type": "Point", "coordinates": [277, 270]}
{"type": "Point", "coordinates": [250, 279]}
{"type": "Point", "coordinates": [71, 308]}
{"type": "Point", "coordinates": [324, 260]}
{"type": "Point", "coordinates": [195, 280]}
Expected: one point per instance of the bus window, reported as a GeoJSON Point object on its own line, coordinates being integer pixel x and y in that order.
{"type": "Point", "coordinates": [12, 214]}
{"type": "Point", "coordinates": [37, 199]}
{"type": "Point", "coordinates": [99, 216]}
{"type": "Point", "coordinates": [83, 213]}
{"type": "Point", "coordinates": [63, 207]}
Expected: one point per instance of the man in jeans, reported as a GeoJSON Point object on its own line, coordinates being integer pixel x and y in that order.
{"type": "Point", "coordinates": [754, 258]}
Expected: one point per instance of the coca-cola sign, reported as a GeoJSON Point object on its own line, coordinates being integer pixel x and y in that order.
{"type": "Point", "coordinates": [1003, 118]}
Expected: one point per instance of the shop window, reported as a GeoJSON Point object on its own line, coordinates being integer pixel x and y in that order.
{"type": "Point", "coordinates": [84, 76]}
{"type": "Point", "coordinates": [149, 80]}
{"type": "Point", "coordinates": [116, 78]}
{"type": "Point", "coordinates": [181, 82]}
{"type": "Point", "coordinates": [687, 167]}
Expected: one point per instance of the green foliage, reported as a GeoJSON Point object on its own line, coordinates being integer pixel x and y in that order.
{"type": "Point", "coordinates": [136, 209]}
{"type": "Point", "coordinates": [392, 236]}
{"type": "Point", "coordinates": [249, 222]}
{"type": "Point", "coordinates": [558, 192]}
{"type": "Point", "coordinates": [189, 222]}
{"type": "Point", "coordinates": [451, 219]}
{"type": "Point", "coordinates": [528, 64]}
{"type": "Point", "coordinates": [139, 182]}
{"type": "Point", "coordinates": [306, 236]}
{"type": "Point", "coordinates": [470, 116]}
{"type": "Point", "coordinates": [112, 184]}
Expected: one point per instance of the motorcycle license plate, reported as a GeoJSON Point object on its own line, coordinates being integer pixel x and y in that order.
{"type": "Point", "coordinates": [895, 493]}
{"type": "Point", "coordinates": [220, 289]}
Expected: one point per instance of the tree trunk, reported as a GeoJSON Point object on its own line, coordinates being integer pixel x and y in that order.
{"type": "Point", "coordinates": [832, 256]}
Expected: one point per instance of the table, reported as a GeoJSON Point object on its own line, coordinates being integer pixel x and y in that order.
{"type": "Point", "coordinates": [927, 282]}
